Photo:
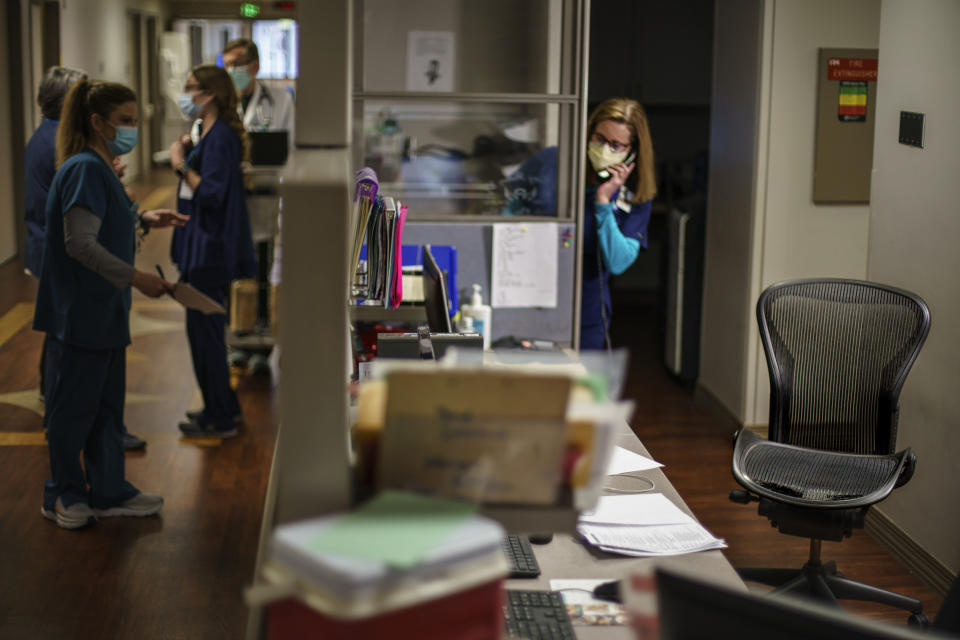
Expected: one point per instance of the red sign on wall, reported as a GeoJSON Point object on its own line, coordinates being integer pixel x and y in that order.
{"type": "Point", "coordinates": [862, 69]}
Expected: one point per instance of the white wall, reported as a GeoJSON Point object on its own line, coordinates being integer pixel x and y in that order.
{"type": "Point", "coordinates": [735, 127]}
{"type": "Point", "coordinates": [8, 227]}
{"type": "Point", "coordinates": [762, 224]}
{"type": "Point", "coordinates": [802, 239]}
{"type": "Point", "coordinates": [95, 36]}
{"type": "Point", "coordinates": [914, 227]}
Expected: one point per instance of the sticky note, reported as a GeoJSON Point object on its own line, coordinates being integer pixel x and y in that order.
{"type": "Point", "coordinates": [396, 527]}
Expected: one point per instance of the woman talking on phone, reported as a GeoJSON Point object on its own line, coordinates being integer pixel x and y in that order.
{"type": "Point", "coordinates": [619, 191]}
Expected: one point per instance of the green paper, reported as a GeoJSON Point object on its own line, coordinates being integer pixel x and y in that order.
{"type": "Point", "coordinates": [396, 527]}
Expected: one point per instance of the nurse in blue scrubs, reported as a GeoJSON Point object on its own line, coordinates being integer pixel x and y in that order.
{"type": "Point", "coordinates": [39, 165]}
{"type": "Point", "coordinates": [216, 246]}
{"type": "Point", "coordinates": [39, 160]}
{"type": "Point", "coordinates": [83, 304]}
{"type": "Point", "coordinates": [619, 193]}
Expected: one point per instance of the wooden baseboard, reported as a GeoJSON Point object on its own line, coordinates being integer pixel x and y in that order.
{"type": "Point", "coordinates": [910, 554]}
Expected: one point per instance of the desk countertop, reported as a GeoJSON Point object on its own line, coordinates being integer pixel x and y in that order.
{"type": "Point", "coordinates": [566, 558]}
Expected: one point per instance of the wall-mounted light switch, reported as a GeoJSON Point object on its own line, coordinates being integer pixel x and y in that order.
{"type": "Point", "coordinates": [911, 128]}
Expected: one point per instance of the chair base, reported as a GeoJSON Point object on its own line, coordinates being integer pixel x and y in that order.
{"type": "Point", "coordinates": [825, 583]}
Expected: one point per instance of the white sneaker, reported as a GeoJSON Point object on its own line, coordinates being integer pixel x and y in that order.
{"type": "Point", "coordinates": [142, 504]}
{"type": "Point", "coordinates": [77, 515]}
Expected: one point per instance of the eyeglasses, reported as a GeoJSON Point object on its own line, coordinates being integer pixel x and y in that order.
{"type": "Point", "coordinates": [192, 87]}
{"type": "Point", "coordinates": [235, 64]}
{"type": "Point", "coordinates": [614, 145]}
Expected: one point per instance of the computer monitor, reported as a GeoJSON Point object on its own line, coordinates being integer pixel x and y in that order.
{"type": "Point", "coordinates": [435, 295]}
{"type": "Point", "coordinates": [692, 610]}
{"type": "Point", "coordinates": [268, 148]}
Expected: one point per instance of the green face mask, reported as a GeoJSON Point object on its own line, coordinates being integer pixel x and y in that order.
{"type": "Point", "coordinates": [240, 77]}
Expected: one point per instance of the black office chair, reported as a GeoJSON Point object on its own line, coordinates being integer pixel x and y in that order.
{"type": "Point", "coordinates": [838, 352]}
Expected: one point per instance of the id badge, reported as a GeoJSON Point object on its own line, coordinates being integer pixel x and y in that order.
{"type": "Point", "coordinates": [186, 192]}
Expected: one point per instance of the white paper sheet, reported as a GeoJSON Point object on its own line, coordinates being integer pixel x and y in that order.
{"type": "Point", "coordinates": [524, 265]}
{"type": "Point", "coordinates": [648, 541]}
{"type": "Point", "coordinates": [636, 509]}
{"type": "Point", "coordinates": [624, 461]}
{"type": "Point", "coordinates": [189, 297]}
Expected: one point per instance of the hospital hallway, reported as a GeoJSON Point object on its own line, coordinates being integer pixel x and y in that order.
{"type": "Point", "coordinates": [181, 575]}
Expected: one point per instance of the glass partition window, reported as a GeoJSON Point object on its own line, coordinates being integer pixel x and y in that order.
{"type": "Point", "coordinates": [451, 159]}
{"type": "Point", "coordinates": [486, 46]}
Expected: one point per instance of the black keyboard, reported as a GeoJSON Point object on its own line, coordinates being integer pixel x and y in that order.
{"type": "Point", "coordinates": [523, 564]}
{"type": "Point", "coordinates": [537, 615]}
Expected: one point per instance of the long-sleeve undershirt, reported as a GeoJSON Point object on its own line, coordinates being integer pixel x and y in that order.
{"type": "Point", "coordinates": [618, 251]}
{"type": "Point", "coordinates": [80, 230]}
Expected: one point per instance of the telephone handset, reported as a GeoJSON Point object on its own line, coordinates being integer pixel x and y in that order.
{"type": "Point", "coordinates": [604, 174]}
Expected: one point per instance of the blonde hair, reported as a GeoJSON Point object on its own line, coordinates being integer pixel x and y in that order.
{"type": "Point", "coordinates": [85, 98]}
{"type": "Point", "coordinates": [215, 81]}
{"type": "Point", "coordinates": [642, 181]}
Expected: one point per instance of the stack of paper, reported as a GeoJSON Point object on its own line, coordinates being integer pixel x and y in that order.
{"type": "Point", "coordinates": [645, 524]}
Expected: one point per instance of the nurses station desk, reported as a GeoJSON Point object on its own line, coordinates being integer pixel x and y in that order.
{"type": "Point", "coordinates": [566, 559]}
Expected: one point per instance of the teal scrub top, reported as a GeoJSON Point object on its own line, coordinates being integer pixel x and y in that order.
{"type": "Point", "coordinates": [74, 304]}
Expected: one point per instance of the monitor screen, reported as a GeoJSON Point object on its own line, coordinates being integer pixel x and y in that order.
{"type": "Point", "coordinates": [435, 294]}
{"type": "Point", "coordinates": [692, 610]}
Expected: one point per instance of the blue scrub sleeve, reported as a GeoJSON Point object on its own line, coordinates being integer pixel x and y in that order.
{"type": "Point", "coordinates": [84, 184]}
{"type": "Point", "coordinates": [219, 161]}
{"type": "Point", "coordinates": [618, 251]}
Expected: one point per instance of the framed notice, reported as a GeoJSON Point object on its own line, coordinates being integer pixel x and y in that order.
{"type": "Point", "coordinates": [431, 57]}
{"type": "Point", "coordinates": [846, 109]}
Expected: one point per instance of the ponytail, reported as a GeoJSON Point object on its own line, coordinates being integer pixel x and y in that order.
{"type": "Point", "coordinates": [85, 98]}
{"type": "Point", "coordinates": [73, 131]}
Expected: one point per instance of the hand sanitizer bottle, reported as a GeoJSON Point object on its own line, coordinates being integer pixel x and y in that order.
{"type": "Point", "coordinates": [480, 314]}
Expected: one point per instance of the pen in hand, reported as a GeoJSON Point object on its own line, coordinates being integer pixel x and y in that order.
{"type": "Point", "coordinates": [164, 278]}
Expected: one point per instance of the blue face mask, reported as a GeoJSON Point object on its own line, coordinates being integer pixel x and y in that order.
{"type": "Point", "coordinates": [240, 77]}
{"type": "Point", "coordinates": [189, 108]}
{"type": "Point", "coordinates": [124, 141]}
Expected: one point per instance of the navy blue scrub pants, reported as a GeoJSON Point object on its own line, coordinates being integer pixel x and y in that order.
{"type": "Point", "coordinates": [85, 414]}
{"type": "Point", "coordinates": [209, 350]}
{"type": "Point", "coordinates": [592, 327]}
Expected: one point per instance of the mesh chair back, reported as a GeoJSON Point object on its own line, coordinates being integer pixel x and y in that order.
{"type": "Point", "coordinates": [838, 352]}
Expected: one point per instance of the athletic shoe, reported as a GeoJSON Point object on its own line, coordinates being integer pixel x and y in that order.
{"type": "Point", "coordinates": [76, 516]}
{"type": "Point", "coordinates": [142, 504]}
{"type": "Point", "coordinates": [132, 442]}
{"type": "Point", "coordinates": [193, 416]}
{"type": "Point", "coordinates": [191, 429]}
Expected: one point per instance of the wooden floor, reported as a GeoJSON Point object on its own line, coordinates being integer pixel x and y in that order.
{"type": "Point", "coordinates": [181, 575]}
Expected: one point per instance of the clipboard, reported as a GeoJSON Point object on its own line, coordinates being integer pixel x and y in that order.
{"type": "Point", "coordinates": [191, 298]}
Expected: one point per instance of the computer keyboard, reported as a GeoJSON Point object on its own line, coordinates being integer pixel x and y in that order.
{"type": "Point", "coordinates": [537, 615]}
{"type": "Point", "coordinates": [523, 564]}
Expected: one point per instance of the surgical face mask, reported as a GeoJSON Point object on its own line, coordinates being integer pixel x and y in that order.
{"type": "Point", "coordinates": [189, 108]}
{"type": "Point", "coordinates": [240, 77]}
{"type": "Point", "coordinates": [124, 141]}
{"type": "Point", "coordinates": [601, 156]}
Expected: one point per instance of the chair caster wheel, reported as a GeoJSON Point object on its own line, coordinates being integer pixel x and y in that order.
{"type": "Point", "coordinates": [918, 620]}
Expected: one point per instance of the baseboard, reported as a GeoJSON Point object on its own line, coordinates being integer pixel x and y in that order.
{"type": "Point", "coordinates": [910, 554]}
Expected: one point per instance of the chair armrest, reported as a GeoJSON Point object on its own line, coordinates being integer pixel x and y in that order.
{"type": "Point", "coordinates": [909, 466]}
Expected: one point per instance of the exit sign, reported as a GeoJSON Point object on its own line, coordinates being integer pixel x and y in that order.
{"type": "Point", "coordinates": [249, 10]}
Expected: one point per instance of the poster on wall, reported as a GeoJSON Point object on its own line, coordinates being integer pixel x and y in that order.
{"type": "Point", "coordinates": [846, 110]}
{"type": "Point", "coordinates": [431, 56]}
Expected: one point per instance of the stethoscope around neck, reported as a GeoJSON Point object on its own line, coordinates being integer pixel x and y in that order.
{"type": "Point", "coordinates": [262, 117]}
